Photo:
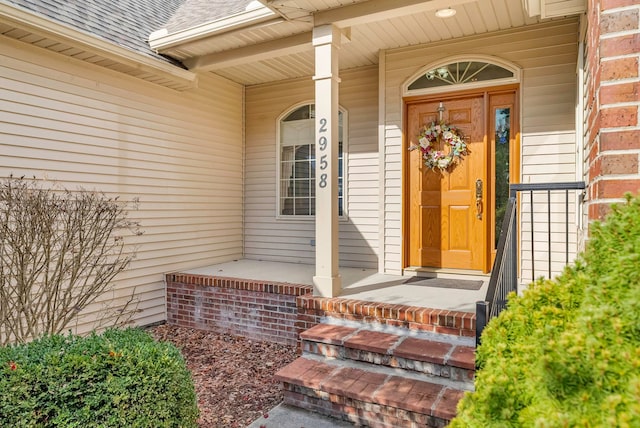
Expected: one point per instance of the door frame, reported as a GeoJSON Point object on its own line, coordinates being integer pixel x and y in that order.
{"type": "Point", "coordinates": [514, 170]}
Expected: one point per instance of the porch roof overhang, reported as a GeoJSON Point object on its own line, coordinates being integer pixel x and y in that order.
{"type": "Point", "coordinates": [271, 41]}
{"type": "Point", "coordinates": [29, 27]}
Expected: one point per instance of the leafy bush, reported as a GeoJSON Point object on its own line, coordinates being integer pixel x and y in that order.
{"type": "Point", "coordinates": [567, 353]}
{"type": "Point", "coordinates": [121, 378]}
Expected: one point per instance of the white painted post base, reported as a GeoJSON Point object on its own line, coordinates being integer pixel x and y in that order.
{"type": "Point", "coordinates": [327, 286]}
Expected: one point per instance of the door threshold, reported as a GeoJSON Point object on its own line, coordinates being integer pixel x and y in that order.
{"type": "Point", "coordinates": [431, 272]}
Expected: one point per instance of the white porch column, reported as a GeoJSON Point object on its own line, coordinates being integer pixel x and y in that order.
{"type": "Point", "coordinates": [326, 41]}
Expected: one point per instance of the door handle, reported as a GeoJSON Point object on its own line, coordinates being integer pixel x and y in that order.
{"type": "Point", "coordinates": [479, 199]}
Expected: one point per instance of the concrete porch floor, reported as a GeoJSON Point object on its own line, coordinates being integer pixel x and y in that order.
{"type": "Point", "coordinates": [361, 284]}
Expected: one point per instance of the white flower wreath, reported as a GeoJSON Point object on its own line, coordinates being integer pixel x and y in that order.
{"type": "Point", "coordinates": [429, 137]}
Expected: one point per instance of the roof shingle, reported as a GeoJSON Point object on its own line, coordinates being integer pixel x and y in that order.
{"type": "Point", "coordinates": [127, 23]}
{"type": "Point", "coordinates": [196, 12]}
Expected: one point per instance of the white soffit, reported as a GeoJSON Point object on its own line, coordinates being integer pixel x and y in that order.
{"type": "Point", "coordinates": [561, 8]}
{"type": "Point", "coordinates": [279, 47]}
{"type": "Point", "coordinates": [554, 8]}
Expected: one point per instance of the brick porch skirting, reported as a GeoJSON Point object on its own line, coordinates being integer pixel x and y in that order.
{"type": "Point", "coordinates": [279, 312]}
{"type": "Point", "coordinates": [254, 309]}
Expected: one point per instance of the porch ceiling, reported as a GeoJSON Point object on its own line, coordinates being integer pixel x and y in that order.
{"type": "Point", "coordinates": [279, 47]}
{"type": "Point", "coordinates": [270, 40]}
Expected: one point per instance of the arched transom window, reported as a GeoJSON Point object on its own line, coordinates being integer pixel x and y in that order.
{"type": "Point", "coordinates": [461, 73]}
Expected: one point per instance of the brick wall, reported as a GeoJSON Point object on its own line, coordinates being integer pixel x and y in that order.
{"type": "Point", "coordinates": [279, 312]}
{"type": "Point", "coordinates": [253, 309]}
{"type": "Point", "coordinates": [613, 128]}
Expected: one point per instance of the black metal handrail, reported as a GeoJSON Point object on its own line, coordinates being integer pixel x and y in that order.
{"type": "Point", "coordinates": [504, 274]}
{"type": "Point", "coordinates": [548, 188]}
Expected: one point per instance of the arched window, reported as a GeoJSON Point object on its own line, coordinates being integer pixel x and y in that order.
{"type": "Point", "coordinates": [296, 181]}
{"type": "Point", "coordinates": [447, 75]}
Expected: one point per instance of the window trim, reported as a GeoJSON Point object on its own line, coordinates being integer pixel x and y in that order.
{"type": "Point", "coordinates": [345, 145]}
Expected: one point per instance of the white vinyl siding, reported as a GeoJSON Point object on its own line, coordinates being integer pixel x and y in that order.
{"type": "Point", "coordinates": [547, 158]}
{"type": "Point", "coordinates": [180, 153]}
{"type": "Point", "coordinates": [547, 54]}
{"type": "Point", "coordinates": [290, 240]}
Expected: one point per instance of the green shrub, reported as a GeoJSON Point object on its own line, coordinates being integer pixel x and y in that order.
{"type": "Point", "coordinates": [121, 378]}
{"type": "Point", "coordinates": [567, 352]}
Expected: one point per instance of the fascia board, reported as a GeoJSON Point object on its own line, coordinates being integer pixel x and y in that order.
{"type": "Point", "coordinates": [64, 34]}
{"type": "Point", "coordinates": [162, 40]}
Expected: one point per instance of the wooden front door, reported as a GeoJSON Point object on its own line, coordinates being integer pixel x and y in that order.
{"type": "Point", "coordinates": [446, 224]}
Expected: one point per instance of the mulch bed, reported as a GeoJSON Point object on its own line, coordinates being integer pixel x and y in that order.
{"type": "Point", "coordinates": [233, 376]}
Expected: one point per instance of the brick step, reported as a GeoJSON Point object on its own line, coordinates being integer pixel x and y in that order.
{"type": "Point", "coordinates": [313, 309]}
{"type": "Point", "coordinates": [434, 355]}
{"type": "Point", "coordinates": [367, 398]}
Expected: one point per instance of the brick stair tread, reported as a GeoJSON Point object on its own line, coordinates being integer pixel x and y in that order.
{"type": "Point", "coordinates": [370, 387]}
{"type": "Point", "coordinates": [327, 333]}
{"type": "Point", "coordinates": [413, 348]}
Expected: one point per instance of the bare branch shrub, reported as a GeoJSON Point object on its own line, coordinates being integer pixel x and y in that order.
{"type": "Point", "coordinates": [59, 251]}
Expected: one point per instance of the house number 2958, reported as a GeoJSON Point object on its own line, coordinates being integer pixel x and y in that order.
{"type": "Point", "coordinates": [322, 145]}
